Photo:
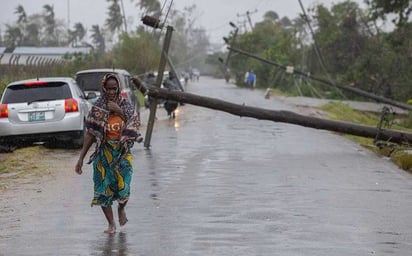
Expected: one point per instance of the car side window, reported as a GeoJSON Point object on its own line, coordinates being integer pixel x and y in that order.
{"type": "Point", "coordinates": [78, 90]}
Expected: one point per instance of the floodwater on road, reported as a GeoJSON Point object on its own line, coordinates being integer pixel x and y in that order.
{"type": "Point", "coordinates": [216, 184]}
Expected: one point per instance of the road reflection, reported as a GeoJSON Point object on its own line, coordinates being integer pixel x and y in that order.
{"type": "Point", "coordinates": [115, 244]}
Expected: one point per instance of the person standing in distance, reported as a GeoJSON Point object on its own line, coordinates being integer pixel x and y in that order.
{"type": "Point", "coordinates": [251, 79]}
{"type": "Point", "coordinates": [114, 125]}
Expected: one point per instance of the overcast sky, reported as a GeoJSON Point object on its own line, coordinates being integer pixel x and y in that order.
{"type": "Point", "coordinates": [213, 15]}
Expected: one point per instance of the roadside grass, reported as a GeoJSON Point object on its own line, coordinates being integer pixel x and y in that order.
{"type": "Point", "coordinates": [401, 155]}
{"type": "Point", "coordinates": [21, 163]}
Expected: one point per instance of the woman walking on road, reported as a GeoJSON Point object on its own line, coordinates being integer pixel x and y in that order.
{"type": "Point", "coordinates": [113, 125]}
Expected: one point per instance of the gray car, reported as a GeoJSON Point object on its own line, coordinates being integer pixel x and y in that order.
{"type": "Point", "coordinates": [90, 81]}
{"type": "Point", "coordinates": [51, 110]}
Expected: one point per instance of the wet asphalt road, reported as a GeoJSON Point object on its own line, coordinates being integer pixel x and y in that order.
{"type": "Point", "coordinates": [216, 184]}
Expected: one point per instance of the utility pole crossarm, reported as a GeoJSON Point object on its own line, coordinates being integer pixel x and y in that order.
{"type": "Point", "coordinates": [247, 14]}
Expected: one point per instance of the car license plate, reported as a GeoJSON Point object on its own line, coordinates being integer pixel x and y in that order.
{"type": "Point", "coordinates": [36, 116]}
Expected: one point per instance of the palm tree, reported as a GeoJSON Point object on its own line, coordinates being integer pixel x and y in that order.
{"type": "Point", "coordinates": [21, 22]}
{"type": "Point", "coordinates": [22, 14]}
{"type": "Point", "coordinates": [98, 39]}
{"type": "Point", "coordinates": [72, 39]}
{"type": "Point", "coordinates": [13, 36]}
{"type": "Point", "coordinates": [50, 21]}
{"type": "Point", "coordinates": [151, 7]}
{"type": "Point", "coordinates": [115, 20]}
{"type": "Point", "coordinates": [80, 31]}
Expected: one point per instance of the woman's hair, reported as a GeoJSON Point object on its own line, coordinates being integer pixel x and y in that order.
{"type": "Point", "coordinates": [110, 76]}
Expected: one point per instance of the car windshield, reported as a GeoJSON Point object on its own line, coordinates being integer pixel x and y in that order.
{"type": "Point", "coordinates": [90, 81]}
{"type": "Point", "coordinates": [50, 91]}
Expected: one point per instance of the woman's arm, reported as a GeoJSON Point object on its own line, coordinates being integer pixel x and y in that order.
{"type": "Point", "coordinates": [88, 141]}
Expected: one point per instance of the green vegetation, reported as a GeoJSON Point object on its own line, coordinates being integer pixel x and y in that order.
{"type": "Point", "coordinates": [347, 47]}
{"type": "Point", "coordinates": [340, 111]}
{"type": "Point", "coordinates": [401, 155]}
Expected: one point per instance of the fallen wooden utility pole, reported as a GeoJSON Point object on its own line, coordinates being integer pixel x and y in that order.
{"type": "Point", "coordinates": [278, 116]}
{"type": "Point", "coordinates": [343, 87]}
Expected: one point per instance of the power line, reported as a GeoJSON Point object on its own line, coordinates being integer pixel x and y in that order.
{"type": "Point", "coordinates": [247, 15]}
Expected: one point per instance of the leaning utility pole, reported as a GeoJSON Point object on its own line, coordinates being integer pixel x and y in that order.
{"type": "Point", "coordinates": [232, 41]}
{"type": "Point", "coordinates": [155, 23]}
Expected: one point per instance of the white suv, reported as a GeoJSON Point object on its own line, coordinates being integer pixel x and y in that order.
{"type": "Point", "coordinates": [51, 110]}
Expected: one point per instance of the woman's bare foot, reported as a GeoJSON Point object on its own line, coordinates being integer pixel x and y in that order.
{"type": "Point", "coordinates": [122, 216]}
{"type": "Point", "coordinates": [111, 229]}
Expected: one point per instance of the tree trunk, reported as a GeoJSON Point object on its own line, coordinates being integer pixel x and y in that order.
{"type": "Point", "coordinates": [280, 116]}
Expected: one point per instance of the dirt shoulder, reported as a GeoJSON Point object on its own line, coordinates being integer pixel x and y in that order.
{"type": "Point", "coordinates": [30, 164]}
